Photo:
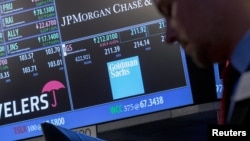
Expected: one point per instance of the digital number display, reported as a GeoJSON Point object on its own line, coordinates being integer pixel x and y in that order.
{"type": "Point", "coordinates": [66, 61]}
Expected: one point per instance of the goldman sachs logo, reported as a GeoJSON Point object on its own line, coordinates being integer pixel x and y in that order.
{"type": "Point", "coordinates": [32, 104]}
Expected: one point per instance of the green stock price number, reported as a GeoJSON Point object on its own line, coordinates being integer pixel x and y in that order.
{"type": "Point", "coordinates": [49, 39]}
{"type": "Point", "coordinates": [45, 12]}
{"type": "Point", "coordinates": [105, 38]}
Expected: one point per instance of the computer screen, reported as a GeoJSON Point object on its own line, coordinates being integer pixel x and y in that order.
{"type": "Point", "coordinates": [218, 71]}
{"type": "Point", "coordinates": [85, 62]}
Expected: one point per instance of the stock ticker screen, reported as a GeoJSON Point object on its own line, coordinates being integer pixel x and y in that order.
{"type": "Point", "coordinates": [84, 62]}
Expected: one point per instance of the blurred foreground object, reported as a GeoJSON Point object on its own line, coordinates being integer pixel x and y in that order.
{"type": "Point", "coordinates": [57, 133]}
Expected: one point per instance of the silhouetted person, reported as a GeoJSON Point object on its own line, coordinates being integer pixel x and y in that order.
{"type": "Point", "coordinates": [213, 31]}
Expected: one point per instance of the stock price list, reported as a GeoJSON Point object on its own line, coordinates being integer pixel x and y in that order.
{"type": "Point", "coordinates": [42, 40]}
{"type": "Point", "coordinates": [117, 43]}
{"type": "Point", "coordinates": [30, 30]}
{"type": "Point", "coordinates": [33, 28]}
{"type": "Point", "coordinates": [27, 80]}
{"type": "Point", "coordinates": [40, 13]}
{"type": "Point", "coordinates": [90, 56]}
{"type": "Point", "coordinates": [31, 66]}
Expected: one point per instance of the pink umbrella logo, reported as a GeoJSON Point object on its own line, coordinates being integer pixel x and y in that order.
{"type": "Point", "coordinates": [53, 86]}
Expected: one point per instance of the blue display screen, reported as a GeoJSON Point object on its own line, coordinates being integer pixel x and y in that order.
{"type": "Point", "coordinates": [79, 63]}
{"type": "Point", "coordinates": [218, 70]}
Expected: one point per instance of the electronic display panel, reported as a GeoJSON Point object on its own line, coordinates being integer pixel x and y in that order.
{"type": "Point", "coordinates": [79, 63]}
{"type": "Point", "coordinates": [218, 71]}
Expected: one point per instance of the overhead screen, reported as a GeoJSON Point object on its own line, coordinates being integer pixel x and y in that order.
{"type": "Point", "coordinates": [218, 69]}
{"type": "Point", "coordinates": [78, 63]}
